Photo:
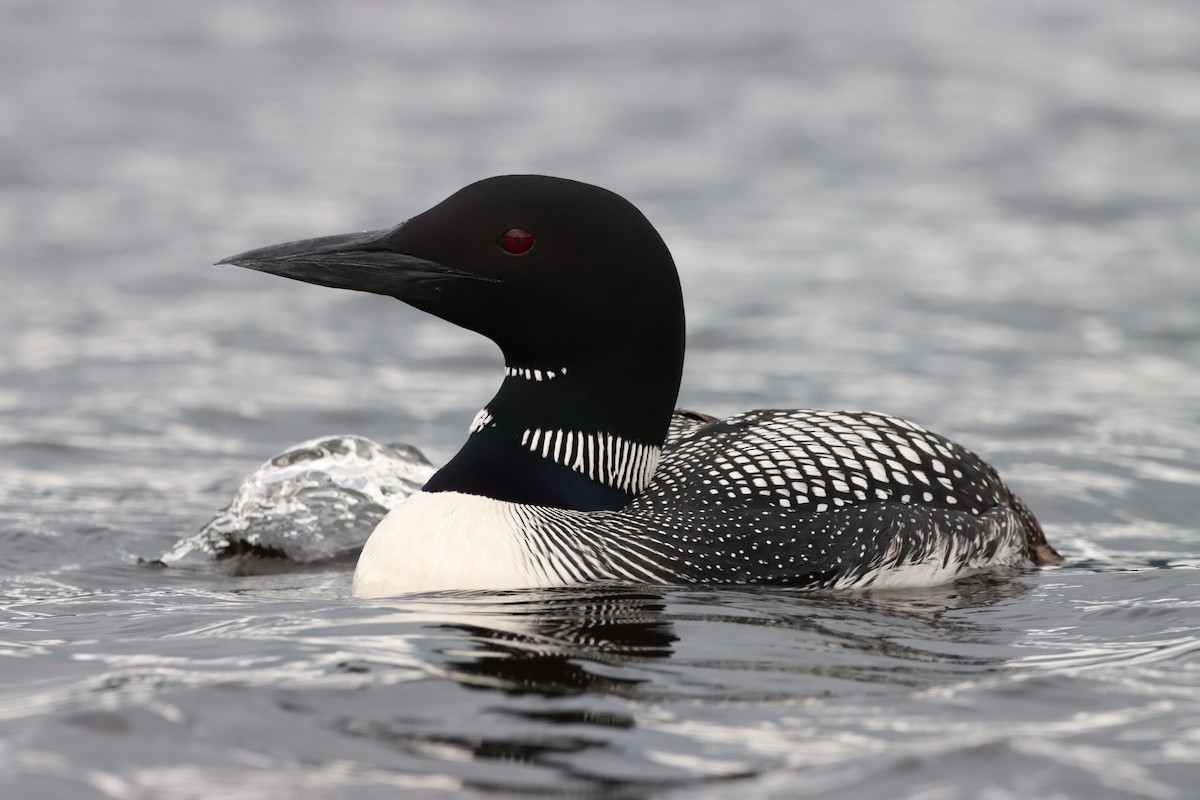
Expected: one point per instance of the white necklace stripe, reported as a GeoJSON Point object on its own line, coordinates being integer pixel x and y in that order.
{"type": "Point", "coordinates": [481, 421]}
{"type": "Point", "coordinates": [611, 460]}
{"type": "Point", "coordinates": [534, 374]}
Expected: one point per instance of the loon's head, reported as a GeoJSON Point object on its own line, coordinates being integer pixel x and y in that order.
{"type": "Point", "coordinates": [575, 286]}
{"type": "Point", "coordinates": [555, 272]}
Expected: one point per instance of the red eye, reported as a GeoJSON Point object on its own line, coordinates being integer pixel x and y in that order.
{"type": "Point", "coordinates": [516, 241]}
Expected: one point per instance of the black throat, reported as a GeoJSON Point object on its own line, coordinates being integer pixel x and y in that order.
{"type": "Point", "coordinates": [561, 436]}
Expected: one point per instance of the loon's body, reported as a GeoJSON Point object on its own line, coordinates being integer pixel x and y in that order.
{"type": "Point", "coordinates": [580, 470]}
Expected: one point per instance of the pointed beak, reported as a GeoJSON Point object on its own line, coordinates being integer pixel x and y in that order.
{"type": "Point", "coordinates": [363, 262]}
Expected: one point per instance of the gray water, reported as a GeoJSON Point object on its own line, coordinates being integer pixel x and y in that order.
{"type": "Point", "coordinates": [982, 216]}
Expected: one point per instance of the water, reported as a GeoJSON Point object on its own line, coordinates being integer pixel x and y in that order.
{"type": "Point", "coordinates": [316, 501]}
{"type": "Point", "coordinates": [984, 217]}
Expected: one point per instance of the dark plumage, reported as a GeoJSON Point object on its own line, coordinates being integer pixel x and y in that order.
{"type": "Point", "coordinates": [577, 470]}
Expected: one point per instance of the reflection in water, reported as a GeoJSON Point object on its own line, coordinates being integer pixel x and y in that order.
{"type": "Point", "coordinates": [557, 637]}
{"type": "Point", "coordinates": [585, 674]}
{"type": "Point", "coordinates": [555, 659]}
{"type": "Point", "coordinates": [575, 640]}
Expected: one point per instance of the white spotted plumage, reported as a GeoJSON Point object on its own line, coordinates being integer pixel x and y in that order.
{"type": "Point", "coordinates": [764, 497]}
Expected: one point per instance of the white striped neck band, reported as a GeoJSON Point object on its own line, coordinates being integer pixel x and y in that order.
{"type": "Point", "coordinates": [608, 459]}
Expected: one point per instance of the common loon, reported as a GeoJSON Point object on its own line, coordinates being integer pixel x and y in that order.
{"type": "Point", "coordinates": [580, 469]}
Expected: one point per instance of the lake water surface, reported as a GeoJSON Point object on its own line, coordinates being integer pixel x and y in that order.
{"type": "Point", "coordinates": [984, 217]}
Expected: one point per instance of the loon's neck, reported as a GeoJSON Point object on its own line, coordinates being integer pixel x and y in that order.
{"type": "Point", "coordinates": [566, 436]}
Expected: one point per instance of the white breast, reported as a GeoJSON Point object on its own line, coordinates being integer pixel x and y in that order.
{"type": "Point", "coordinates": [447, 540]}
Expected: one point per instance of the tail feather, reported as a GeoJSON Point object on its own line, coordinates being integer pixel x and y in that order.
{"type": "Point", "coordinates": [1040, 551]}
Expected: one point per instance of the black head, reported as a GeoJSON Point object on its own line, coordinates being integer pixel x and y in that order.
{"type": "Point", "coordinates": [556, 272]}
{"type": "Point", "coordinates": [575, 286]}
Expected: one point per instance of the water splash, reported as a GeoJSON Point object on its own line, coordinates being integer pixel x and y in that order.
{"type": "Point", "coordinates": [315, 501]}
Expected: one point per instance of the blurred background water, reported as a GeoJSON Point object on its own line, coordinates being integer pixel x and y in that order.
{"type": "Point", "coordinates": [984, 216]}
